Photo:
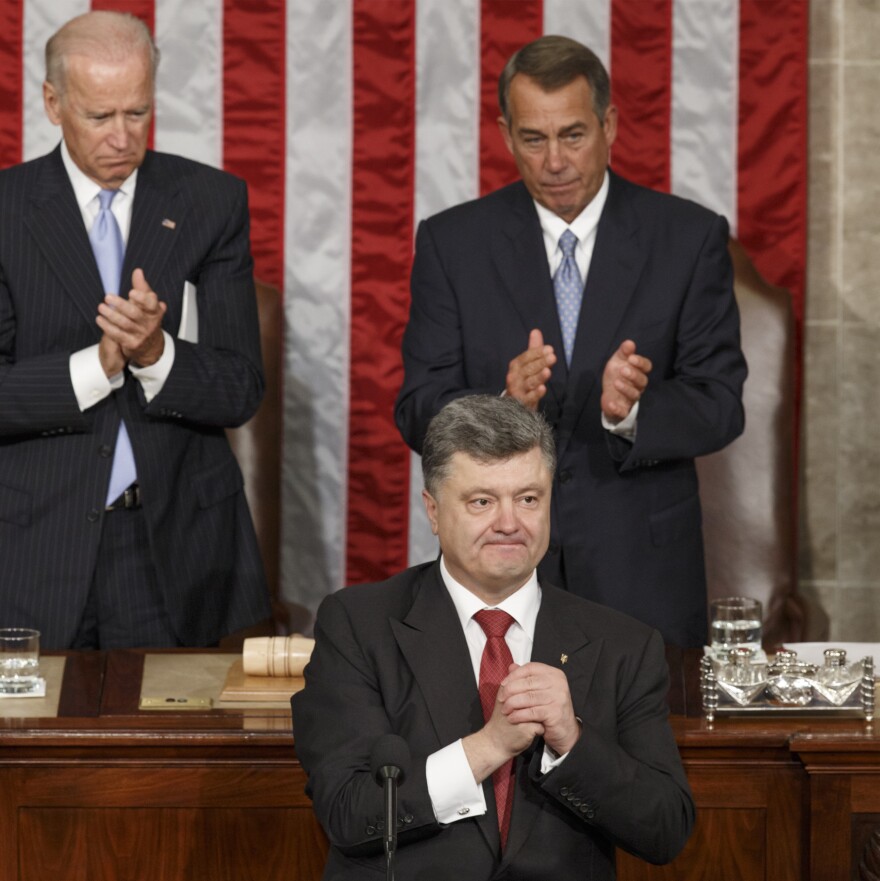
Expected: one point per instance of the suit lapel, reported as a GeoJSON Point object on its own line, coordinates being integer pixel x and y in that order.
{"type": "Point", "coordinates": [559, 643]}
{"type": "Point", "coordinates": [55, 222]}
{"type": "Point", "coordinates": [431, 641]}
{"type": "Point", "coordinates": [158, 218]}
{"type": "Point", "coordinates": [521, 259]}
{"type": "Point", "coordinates": [615, 270]}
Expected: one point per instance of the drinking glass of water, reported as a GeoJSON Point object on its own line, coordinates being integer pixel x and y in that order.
{"type": "Point", "coordinates": [735, 622]}
{"type": "Point", "coordinates": [19, 660]}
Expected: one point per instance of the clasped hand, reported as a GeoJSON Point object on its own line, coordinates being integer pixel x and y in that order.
{"type": "Point", "coordinates": [132, 327]}
{"type": "Point", "coordinates": [533, 701]}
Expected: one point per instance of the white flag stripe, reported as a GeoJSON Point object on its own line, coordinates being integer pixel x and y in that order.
{"type": "Point", "coordinates": [189, 84]}
{"type": "Point", "coordinates": [705, 72]}
{"type": "Point", "coordinates": [447, 156]}
{"type": "Point", "coordinates": [317, 285]}
{"type": "Point", "coordinates": [587, 22]}
{"type": "Point", "coordinates": [41, 19]}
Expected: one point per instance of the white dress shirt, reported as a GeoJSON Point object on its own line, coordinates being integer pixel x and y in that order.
{"type": "Point", "coordinates": [90, 383]}
{"type": "Point", "coordinates": [454, 793]}
{"type": "Point", "coordinates": [584, 226]}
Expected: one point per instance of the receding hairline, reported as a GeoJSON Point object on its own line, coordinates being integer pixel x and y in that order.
{"type": "Point", "coordinates": [100, 35]}
{"type": "Point", "coordinates": [553, 62]}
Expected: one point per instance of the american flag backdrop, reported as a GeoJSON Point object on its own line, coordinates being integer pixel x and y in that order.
{"type": "Point", "coordinates": [352, 119]}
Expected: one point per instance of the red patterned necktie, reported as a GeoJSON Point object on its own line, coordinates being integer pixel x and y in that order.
{"type": "Point", "coordinates": [493, 668]}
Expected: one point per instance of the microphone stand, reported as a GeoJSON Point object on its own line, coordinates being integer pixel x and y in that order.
{"type": "Point", "coordinates": [390, 775]}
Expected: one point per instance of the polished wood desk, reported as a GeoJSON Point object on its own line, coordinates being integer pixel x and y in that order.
{"type": "Point", "coordinates": [106, 791]}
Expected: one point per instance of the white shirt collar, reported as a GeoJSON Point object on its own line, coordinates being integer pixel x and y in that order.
{"type": "Point", "coordinates": [522, 606]}
{"type": "Point", "coordinates": [84, 188]}
{"type": "Point", "coordinates": [583, 226]}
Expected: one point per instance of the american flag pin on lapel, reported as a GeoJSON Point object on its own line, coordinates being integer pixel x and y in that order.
{"type": "Point", "coordinates": [563, 658]}
{"type": "Point", "coordinates": [169, 224]}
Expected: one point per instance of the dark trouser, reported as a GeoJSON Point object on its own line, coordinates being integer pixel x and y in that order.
{"type": "Point", "coordinates": [125, 608]}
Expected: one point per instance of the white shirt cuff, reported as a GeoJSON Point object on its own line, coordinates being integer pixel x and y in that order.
{"type": "Point", "coordinates": [549, 760]}
{"type": "Point", "coordinates": [90, 384]}
{"type": "Point", "coordinates": [152, 378]}
{"type": "Point", "coordinates": [454, 793]}
{"type": "Point", "coordinates": [626, 428]}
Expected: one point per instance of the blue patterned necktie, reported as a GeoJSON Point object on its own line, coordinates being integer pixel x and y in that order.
{"type": "Point", "coordinates": [569, 291]}
{"type": "Point", "coordinates": [109, 250]}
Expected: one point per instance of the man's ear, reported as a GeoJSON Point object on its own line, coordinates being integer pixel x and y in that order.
{"type": "Point", "coordinates": [430, 510]}
{"type": "Point", "coordinates": [609, 126]}
{"type": "Point", "coordinates": [505, 133]}
{"type": "Point", "coordinates": [52, 103]}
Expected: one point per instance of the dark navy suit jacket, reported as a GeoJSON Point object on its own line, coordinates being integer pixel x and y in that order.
{"type": "Point", "coordinates": [55, 460]}
{"type": "Point", "coordinates": [626, 517]}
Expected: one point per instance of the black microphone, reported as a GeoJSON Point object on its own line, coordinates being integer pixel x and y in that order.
{"type": "Point", "coordinates": [389, 765]}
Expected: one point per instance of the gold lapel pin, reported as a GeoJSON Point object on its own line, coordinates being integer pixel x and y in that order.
{"type": "Point", "coordinates": [169, 224]}
{"type": "Point", "coordinates": [563, 658]}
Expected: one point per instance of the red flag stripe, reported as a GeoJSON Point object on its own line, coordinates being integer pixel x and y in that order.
{"type": "Point", "coordinates": [505, 26]}
{"type": "Point", "coordinates": [254, 122]}
{"type": "Point", "coordinates": [143, 9]}
{"type": "Point", "coordinates": [383, 173]}
{"type": "Point", "coordinates": [772, 152]}
{"type": "Point", "coordinates": [11, 82]}
{"type": "Point", "coordinates": [641, 87]}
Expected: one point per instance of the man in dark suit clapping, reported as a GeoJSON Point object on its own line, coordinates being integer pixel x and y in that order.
{"type": "Point", "coordinates": [607, 306]}
{"type": "Point", "coordinates": [128, 342]}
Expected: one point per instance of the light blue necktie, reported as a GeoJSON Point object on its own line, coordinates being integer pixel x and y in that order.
{"type": "Point", "coordinates": [569, 291]}
{"type": "Point", "coordinates": [109, 250]}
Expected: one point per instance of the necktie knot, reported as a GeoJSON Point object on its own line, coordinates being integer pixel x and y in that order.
{"type": "Point", "coordinates": [494, 622]}
{"type": "Point", "coordinates": [105, 197]}
{"type": "Point", "coordinates": [567, 243]}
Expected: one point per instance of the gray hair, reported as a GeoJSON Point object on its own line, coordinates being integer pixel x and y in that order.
{"type": "Point", "coordinates": [101, 34]}
{"type": "Point", "coordinates": [553, 62]}
{"type": "Point", "coordinates": [486, 428]}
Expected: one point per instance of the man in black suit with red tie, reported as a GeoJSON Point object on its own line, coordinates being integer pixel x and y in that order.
{"type": "Point", "coordinates": [128, 342]}
{"type": "Point", "coordinates": [536, 720]}
{"type": "Point", "coordinates": [609, 308]}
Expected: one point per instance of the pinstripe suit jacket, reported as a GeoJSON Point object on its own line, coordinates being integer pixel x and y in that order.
{"type": "Point", "coordinates": [55, 460]}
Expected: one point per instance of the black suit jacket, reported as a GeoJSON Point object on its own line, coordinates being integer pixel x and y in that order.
{"type": "Point", "coordinates": [392, 658]}
{"type": "Point", "coordinates": [55, 460]}
{"type": "Point", "coordinates": [626, 517]}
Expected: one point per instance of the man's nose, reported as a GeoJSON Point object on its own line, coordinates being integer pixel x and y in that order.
{"type": "Point", "coordinates": [119, 133]}
{"type": "Point", "coordinates": [555, 157]}
{"type": "Point", "coordinates": [505, 518]}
